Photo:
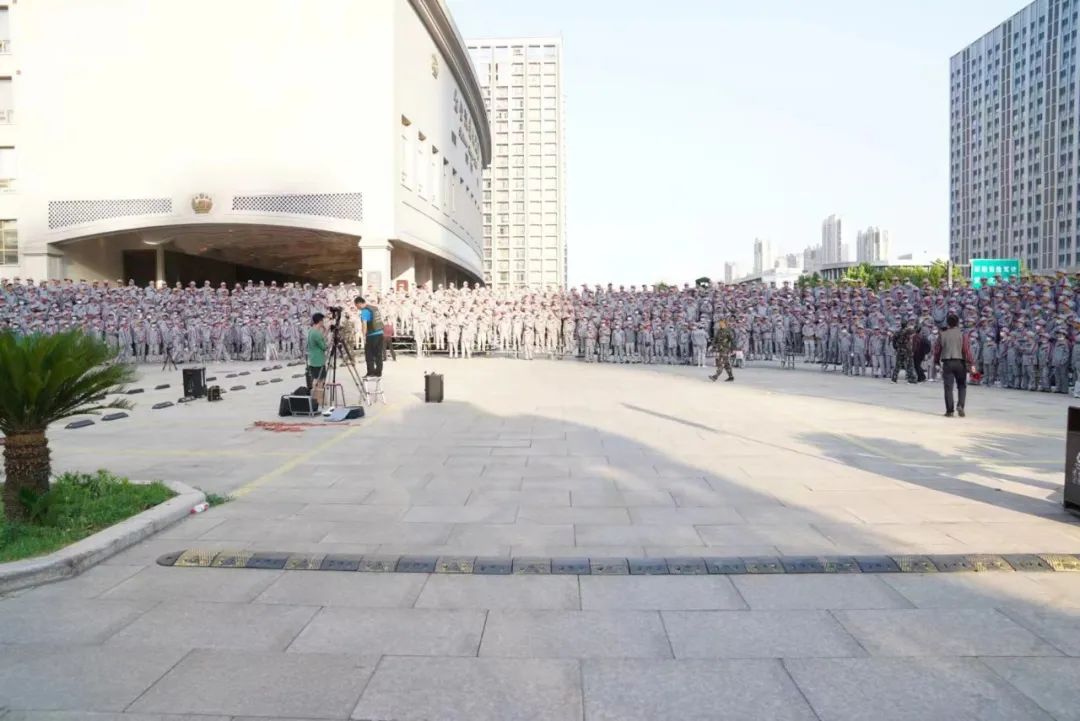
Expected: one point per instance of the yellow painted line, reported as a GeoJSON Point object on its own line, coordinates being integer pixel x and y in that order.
{"type": "Point", "coordinates": [303, 457]}
{"type": "Point", "coordinates": [180, 452]}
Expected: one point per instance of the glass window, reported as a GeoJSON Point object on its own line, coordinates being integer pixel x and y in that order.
{"type": "Point", "coordinates": [9, 243]}
{"type": "Point", "coordinates": [7, 166]}
{"type": "Point", "coordinates": [407, 159]}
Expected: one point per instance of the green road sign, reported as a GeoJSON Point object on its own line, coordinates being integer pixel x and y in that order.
{"type": "Point", "coordinates": [990, 267]}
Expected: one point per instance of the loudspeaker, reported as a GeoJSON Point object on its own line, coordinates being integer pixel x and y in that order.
{"type": "Point", "coordinates": [194, 382]}
{"type": "Point", "coordinates": [433, 387]}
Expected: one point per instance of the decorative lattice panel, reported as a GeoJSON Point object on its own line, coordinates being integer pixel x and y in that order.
{"type": "Point", "coordinates": [64, 213]}
{"type": "Point", "coordinates": [347, 206]}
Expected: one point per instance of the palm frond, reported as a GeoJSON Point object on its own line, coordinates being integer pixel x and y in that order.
{"type": "Point", "coordinates": [49, 377]}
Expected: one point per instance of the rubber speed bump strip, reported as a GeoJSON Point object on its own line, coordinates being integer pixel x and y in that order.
{"type": "Point", "coordinates": [447, 564]}
{"type": "Point", "coordinates": [717, 566]}
{"type": "Point", "coordinates": [1062, 561]}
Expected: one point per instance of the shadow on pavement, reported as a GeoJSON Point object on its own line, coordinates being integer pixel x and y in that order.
{"type": "Point", "coordinates": [939, 472]}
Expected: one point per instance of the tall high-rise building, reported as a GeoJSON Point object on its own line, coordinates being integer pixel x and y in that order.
{"type": "Point", "coordinates": [524, 187]}
{"type": "Point", "coordinates": [832, 245]}
{"type": "Point", "coordinates": [1013, 128]}
{"type": "Point", "coordinates": [731, 272]}
{"type": "Point", "coordinates": [763, 255]}
{"type": "Point", "coordinates": [872, 245]}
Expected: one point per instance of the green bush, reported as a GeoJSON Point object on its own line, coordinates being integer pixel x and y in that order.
{"type": "Point", "coordinates": [75, 506]}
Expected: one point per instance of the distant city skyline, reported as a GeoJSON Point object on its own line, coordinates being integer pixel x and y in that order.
{"type": "Point", "coordinates": [678, 156]}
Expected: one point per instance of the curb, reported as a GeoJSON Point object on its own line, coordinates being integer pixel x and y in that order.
{"type": "Point", "coordinates": [92, 550]}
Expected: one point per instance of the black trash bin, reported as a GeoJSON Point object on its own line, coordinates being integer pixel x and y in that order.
{"type": "Point", "coordinates": [1072, 461]}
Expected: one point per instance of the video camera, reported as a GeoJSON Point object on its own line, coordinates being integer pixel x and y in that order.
{"type": "Point", "coordinates": [335, 317]}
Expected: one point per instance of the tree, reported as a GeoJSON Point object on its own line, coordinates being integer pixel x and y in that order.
{"type": "Point", "coordinates": [46, 378]}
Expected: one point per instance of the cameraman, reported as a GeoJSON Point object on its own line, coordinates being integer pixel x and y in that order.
{"type": "Point", "coordinates": [316, 356]}
{"type": "Point", "coordinates": [371, 324]}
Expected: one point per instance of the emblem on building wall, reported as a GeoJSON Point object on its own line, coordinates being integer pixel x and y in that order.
{"type": "Point", "coordinates": [202, 203]}
{"type": "Point", "coordinates": [434, 66]}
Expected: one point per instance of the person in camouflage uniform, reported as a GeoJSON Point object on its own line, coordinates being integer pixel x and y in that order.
{"type": "Point", "coordinates": [903, 342]}
{"type": "Point", "coordinates": [724, 342]}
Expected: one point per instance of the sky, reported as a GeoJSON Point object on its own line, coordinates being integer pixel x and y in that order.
{"type": "Point", "coordinates": [694, 126]}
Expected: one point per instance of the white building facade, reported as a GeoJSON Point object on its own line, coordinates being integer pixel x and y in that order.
{"type": "Point", "coordinates": [763, 255]}
{"type": "Point", "coordinates": [1014, 112]}
{"type": "Point", "coordinates": [732, 272]}
{"type": "Point", "coordinates": [9, 209]}
{"type": "Point", "coordinates": [832, 241]}
{"type": "Point", "coordinates": [872, 246]}
{"type": "Point", "coordinates": [202, 139]}
{"type": "Point", "coordinates": [524, 188]}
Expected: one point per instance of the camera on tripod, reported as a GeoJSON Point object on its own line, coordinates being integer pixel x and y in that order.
{"type": "Point", "coordinates": [335, 318]}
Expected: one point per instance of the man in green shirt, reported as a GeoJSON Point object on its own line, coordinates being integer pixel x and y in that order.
{"type": "Point", "coordinates": [316, 356]}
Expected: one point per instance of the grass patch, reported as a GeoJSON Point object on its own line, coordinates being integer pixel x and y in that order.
{"type": "Point", "coordinates": [215, 500]}
{"type": "Point", "coordinates": [76, 506]}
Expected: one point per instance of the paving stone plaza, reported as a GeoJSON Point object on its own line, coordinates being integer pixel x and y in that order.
{"type": "Point", "coordinates": [544, 466]}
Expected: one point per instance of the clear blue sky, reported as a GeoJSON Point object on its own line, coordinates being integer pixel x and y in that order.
{"type": "Point", "coordinates": [693, 126]}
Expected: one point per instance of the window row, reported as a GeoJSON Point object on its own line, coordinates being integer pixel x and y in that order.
{"type": "Point", "coordinates": [430, 174]}
{"type": "Point", "coordinates": [532, 253]}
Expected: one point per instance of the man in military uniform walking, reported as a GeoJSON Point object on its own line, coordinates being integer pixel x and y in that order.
{"type": "Point", "coordinates": [724, 342]}
{"type": "Point", "coordinates": [905, 357]}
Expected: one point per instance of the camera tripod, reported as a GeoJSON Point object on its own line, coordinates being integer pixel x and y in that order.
{"type": "Point", "coordinates": [339, 348]}
{"type": "Point", "coordinates": [170, 362]}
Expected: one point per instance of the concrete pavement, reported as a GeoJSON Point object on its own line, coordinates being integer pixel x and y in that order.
{"type": "Point", "coordinates": [564, 459]}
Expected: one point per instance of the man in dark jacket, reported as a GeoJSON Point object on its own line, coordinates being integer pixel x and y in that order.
{"type": "Point", "coordinates": [954, 354]}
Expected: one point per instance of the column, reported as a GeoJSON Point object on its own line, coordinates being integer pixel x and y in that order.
{"type": "Point", "coordinates": [424, 264]}
{"type": "Point", "coordinates": [403, 266]}
{"type": "Point", "coordinates": [374, 265]}
{"type": "Point", "coordinates": [159, 265]}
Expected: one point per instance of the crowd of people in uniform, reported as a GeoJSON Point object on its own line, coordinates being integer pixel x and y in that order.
{"type": "Point", "coordinates": [1022, 332]}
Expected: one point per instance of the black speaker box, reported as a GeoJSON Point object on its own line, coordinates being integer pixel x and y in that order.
{"type": "Point", "coordinates": [433, 388]}
{"type": "Point", "coordinates": [194, 382]}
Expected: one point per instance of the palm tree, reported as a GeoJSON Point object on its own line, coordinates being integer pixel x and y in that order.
{"type": "Point", "coordinates": [45, 378]}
